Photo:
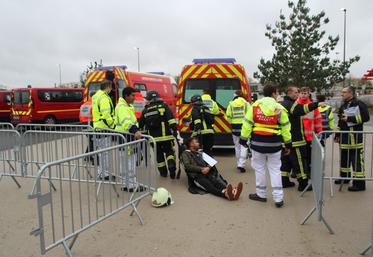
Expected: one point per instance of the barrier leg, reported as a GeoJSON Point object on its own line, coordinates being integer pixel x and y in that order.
{"type": "Point", "coordinates": [327, 226]}
{"type": "Point", "coordinates": [331, 187]}
{"type": "Point", "coordinates": [305, 190]}
{"type": "Point", "coordinates": [67, 249]}
{"type": "Point", "coordinates": [15, 181]}
{"type": "Point", "coordinates": [308, 216]}
{"type": "Point", "coordinates": [52, 185]}
{"type": "Point", "coordinates": [134, 210]}
{"type": "Point", "coordinates": [73, 241]}
{"type": "Point", "coordinates": [366, 250]}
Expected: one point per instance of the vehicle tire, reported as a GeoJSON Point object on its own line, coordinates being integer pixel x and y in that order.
{"type": "Point", "coordinates": [50, 120]}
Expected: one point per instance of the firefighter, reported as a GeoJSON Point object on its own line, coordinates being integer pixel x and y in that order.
{"type": "Point", "coordinates": [202, 124]}
{"type": "Point", "coordinates": [235, 114]}
{"type": "Point", "coordinates": [207, 101]}
{"type": "Point", "coordinates": [296, 161]}
{"type": "Point", "coordinates": [326, 115]}
{"type": "Point", "coordinates": [267, 127]}
{"type": "Point", "coordinates": [312, 122]}
{"type": "Point", "coordinates": [126, 121]}
{"type": "Point", "coordinates": [103, 118]}
{"type": "Point", "coordinates": [352, 115]}
{"type": "Point", "coordinates": [159, 121]}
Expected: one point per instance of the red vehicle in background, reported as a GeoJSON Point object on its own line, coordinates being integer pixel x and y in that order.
{"type": "Point", "coordinates": [46, 105]}
{"type": "Point", "coordinates": [5, 105]}
{"type": "Point", "coordinates": [121, 78]}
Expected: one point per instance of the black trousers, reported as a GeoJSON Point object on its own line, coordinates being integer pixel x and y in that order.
{"type": "Point", "coordinates": [296, 161]}
{"type": "Point", "coordinates": [354, 158]}
{"type": "Point", "coordinates": [207, 142]}
{"type": "Point", "coordinates": [213, 184]}
{"type": "Point", "coordinates": [166, 153]}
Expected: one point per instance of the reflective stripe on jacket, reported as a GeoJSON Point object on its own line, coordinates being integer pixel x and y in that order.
{"type": "Point", "coordinates": [267, 126]}
{"type": "Point", "coordinates": [327, 117]}
{"type": "Point", "coordinates": [236, 112]}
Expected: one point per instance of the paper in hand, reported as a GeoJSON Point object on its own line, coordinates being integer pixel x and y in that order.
{"type": "Point", "coordinates": [210, 161]}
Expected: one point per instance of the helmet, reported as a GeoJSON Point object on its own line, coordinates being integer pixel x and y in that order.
{"type": "Point", "coordinates": [196, 99]}
{"type": "Point", "coordinates": [152, 94]}
{"type": "Point", "coordinates": [161, 197]}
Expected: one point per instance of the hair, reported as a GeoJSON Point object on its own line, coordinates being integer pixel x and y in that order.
{"type": "Point", "coordinates": [128, 91]}
{"type": "Point", "coordinates": [320, 98]}
{"type": "Point", "coordinates": [188, 141]}
{"type": "Point", "coordinates": [268, 90]}
{"type": "Point", "coordinates": [207, 91]}
{"type": "Point", "coordinates": [92, 93]}
{"type": "Point", "coordinates": [105, 84]}
{"type": "Point", "coordinates": [290, 88]}
{"type": "Point", "coordinates": [305, 89]}
{"type": "Point", "coordinates": [351, 89]}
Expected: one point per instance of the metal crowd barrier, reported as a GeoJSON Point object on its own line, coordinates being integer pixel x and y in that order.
{"type": "Point", "coordinates": [326, 161]}
{"type": "Point", "coordinates": [75, 206]}
{"type": "Point", "coordinates": [22, 155]}
{"type": "Point", "coordinates": [22, 127]}
{"type": "Point", "coordinates": [6, 125]}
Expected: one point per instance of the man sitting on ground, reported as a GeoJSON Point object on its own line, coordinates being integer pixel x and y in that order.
{"type": "Point", "coordinates": [207, 178]}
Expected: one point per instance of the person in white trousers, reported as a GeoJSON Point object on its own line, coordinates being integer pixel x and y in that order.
{"type": "Point", "coordinates": [235, 114]}
{"type": "Point", "coordinates": [267, 126]}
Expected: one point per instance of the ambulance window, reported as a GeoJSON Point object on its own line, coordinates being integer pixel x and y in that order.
{"type": "Point", "coordinates": [141, 88]}
{"type": "Point", "coordinates": [194, 87]}
{"type": "Point", "coordinates": [93, 87]}
{"type": "Point", "coordinates": [225, 89]}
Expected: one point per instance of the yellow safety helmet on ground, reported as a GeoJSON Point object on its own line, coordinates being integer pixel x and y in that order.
{"type": "Point", "coordinates": [161, 197]}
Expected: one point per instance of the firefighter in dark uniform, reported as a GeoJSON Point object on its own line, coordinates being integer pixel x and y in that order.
{"type": "Point", "coordinates": [202, 124]}
{"type": "Point", "coordinates": [160, 123]}
{"type": "Point", "coordinates": [296, 161]}
{"type": "Point", "coordinates": [352, 115]}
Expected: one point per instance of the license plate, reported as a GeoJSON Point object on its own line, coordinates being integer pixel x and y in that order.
{"type": "Point", "coordinates": [16, 117]}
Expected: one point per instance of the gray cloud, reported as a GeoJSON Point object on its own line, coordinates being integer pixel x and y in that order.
{"type": "Point", "coordinates": [38, 35]}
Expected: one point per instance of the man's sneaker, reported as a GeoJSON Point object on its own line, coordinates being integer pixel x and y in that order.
{"type": "Point", "coordinates": [279, 204]}
{"type": "Point", "coordinates": [241, 169]}
{"type": "Point", "coordinates": [139, 189]}
{"type": "Point", "coordinates": [256, 197]}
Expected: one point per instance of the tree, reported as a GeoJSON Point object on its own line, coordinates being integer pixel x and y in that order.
{"type": "Point", "coordinates": [302, 52]}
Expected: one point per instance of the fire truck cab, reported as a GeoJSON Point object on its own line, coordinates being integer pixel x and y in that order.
{"type": "Point", "coordinates": [222, 77]}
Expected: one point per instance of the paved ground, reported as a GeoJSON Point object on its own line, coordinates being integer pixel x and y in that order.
{"type": "Point", "coordinates": [203, 225]}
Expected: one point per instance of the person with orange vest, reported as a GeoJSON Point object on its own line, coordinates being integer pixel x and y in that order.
{"type": "Point", "coordinates": [85, 114]}
{"type": "Point", "coordinates": [312, 121]}
{"type": "Point", "coordinates": [266, 126]}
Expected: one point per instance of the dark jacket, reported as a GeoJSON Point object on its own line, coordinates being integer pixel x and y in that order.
{"type": "Point", "coordinates": [159, 121]}
{"type": "Point", "coordinates": [295, 112]}
{"type": "Point", "coordinates": [202, 120]}
{"type": "Point", "coordinates": [354, 123]}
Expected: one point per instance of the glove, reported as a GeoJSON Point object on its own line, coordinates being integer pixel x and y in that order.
{"type": "Point", "coordinates": [243, 143]}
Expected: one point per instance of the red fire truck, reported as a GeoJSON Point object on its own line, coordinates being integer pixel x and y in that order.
{"type": "Point", "coordinates": [5, 104]}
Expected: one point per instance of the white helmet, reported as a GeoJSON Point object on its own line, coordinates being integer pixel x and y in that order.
{"type": "Point", "coordinates": [161, 197]}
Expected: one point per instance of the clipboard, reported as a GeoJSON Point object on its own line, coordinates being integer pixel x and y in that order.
{"type": "Point", "coordinates": [210, 161]}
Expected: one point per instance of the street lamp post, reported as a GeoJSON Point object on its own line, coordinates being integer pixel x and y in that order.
{"type": "Point", "coordinates": [138, 58]}
{"type": "Point", "coordinates": [344, 10]}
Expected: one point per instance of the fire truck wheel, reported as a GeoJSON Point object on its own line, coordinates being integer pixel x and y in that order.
{"type": "Point", "coordinates": [50, 120]}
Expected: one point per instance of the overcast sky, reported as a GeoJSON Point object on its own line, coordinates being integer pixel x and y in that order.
{"type": "Point", "coordinates": [38, 35]}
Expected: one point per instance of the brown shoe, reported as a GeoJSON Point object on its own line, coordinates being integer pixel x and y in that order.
{"type": "Point", "coordinates": [229, 192]}
{"type": "Point", "coordinates": [237, 191]}
{"type": "Point", "coordinates": [256, 197]}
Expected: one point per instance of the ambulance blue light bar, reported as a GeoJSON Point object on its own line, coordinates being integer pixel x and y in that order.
{"type": "Point", "coordinates": [214, 60]}
{"type": "Point", "coordinates": [123, 67]}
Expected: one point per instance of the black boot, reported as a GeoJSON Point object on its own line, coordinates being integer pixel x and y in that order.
{"type": "Point", "coordinates": [357, 185]}
{"type": "Point", "coordinates": [286, 182]}
{"type": "Point", "coordinates": [303, 183]}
